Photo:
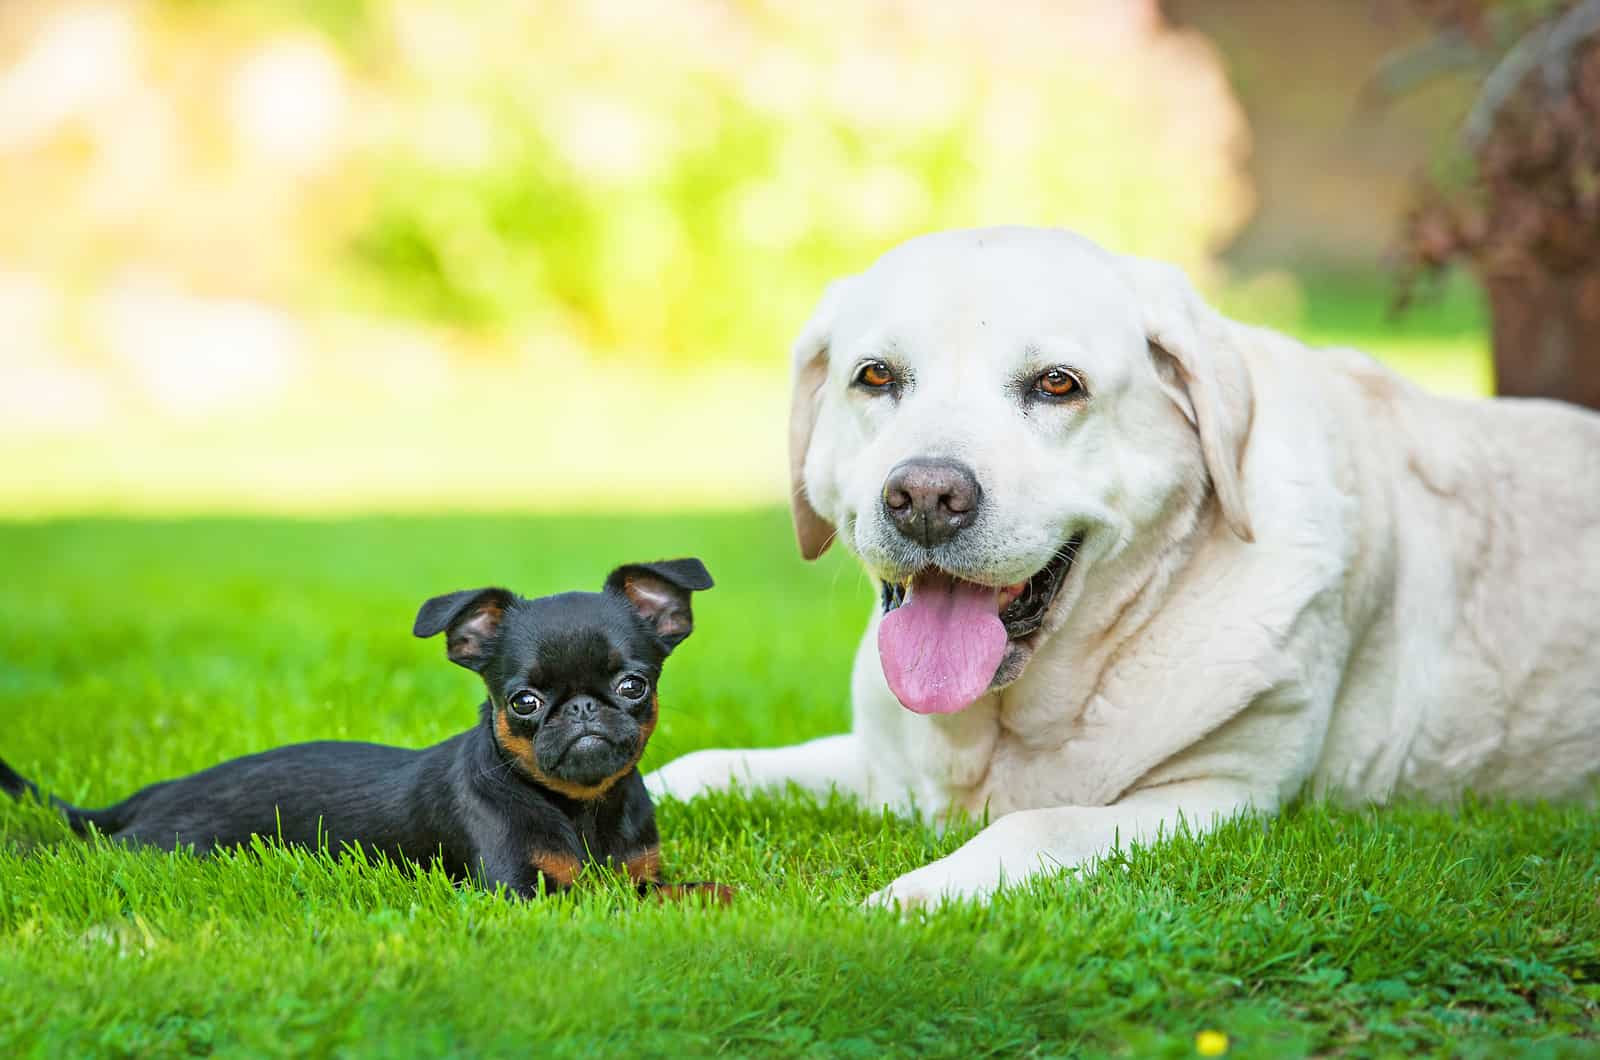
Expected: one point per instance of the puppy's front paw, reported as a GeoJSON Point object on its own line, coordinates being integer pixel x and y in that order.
{"type": "Point", "coordinates": [705, 893]}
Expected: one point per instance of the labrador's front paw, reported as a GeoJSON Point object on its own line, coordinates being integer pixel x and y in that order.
{"type": "Point", "coordinates": [944, 880]}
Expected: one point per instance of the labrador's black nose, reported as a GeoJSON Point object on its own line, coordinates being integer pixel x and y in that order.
{"type": "Point", "coordinates": [930, 501]}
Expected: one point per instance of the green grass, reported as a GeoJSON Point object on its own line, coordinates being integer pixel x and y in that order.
{"type": "Point", "coordinates": [132, 651]}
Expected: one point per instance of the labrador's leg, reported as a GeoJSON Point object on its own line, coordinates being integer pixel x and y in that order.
{"type": "Point", "coordinates": [1031, 842]}
{"type": "Point", "coordinates": [818, 766]}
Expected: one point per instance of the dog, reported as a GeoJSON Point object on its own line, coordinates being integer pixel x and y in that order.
{"type": "Point", "coordinates": [546, 783]}
{"type": "Point", "coordinates": [1145, 568]}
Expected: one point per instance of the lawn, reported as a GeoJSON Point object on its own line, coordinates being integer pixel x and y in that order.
{"type": "Point", "coordinates": [134, 650]}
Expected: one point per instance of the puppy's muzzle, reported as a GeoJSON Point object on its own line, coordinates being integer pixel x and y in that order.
{"type": "Point", "coordinates": [580, 709]}
{"type": "Point", "coordinates": [931, 501]}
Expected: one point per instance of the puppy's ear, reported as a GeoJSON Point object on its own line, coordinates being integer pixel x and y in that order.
{"type": "Point", "coordinates": [1200, 366]}
{"type": "Point", "coordinates": [472, 618]}
{"type": "Point", "coordinates": [660, 593]}
{"type": "Point", "coordinates": [810, 354]}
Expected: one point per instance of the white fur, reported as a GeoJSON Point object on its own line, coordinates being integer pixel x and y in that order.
{"type": "Point", "coordinates": [1418, 612]}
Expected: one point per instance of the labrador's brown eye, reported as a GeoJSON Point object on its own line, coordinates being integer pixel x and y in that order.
{"type": "Point", "coordinates": [875, 375]}
{"type": "Point", "coordinates": [1056, 383]}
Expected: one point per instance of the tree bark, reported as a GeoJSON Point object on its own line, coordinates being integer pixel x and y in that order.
{"type": "Point", "coordinates": [1529, 223]}
{"type": "Point", "coordinates": [1546, 333]}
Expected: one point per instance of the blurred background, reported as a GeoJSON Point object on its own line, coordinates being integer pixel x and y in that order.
{"type": "Point", "coordinates": [343, 255]}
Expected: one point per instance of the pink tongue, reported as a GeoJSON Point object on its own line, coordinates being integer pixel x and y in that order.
{"type": "Point", "coordinates": [940, 648]}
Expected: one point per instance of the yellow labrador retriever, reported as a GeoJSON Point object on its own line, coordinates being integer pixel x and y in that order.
{"type": "Point", "coordinates": [1142, 565]}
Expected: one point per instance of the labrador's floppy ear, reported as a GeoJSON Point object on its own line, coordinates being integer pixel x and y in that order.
{"type": "Point", "coordinates": [660, 593]}
{"type": "Point", "coordinates": [810, 354]}
{"type": "Point", "coordinates": [1206, 378]}
{"type": "Point", "coordinates": [472, 617]}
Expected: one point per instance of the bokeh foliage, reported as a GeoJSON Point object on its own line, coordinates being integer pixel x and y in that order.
{"type": "Point", "coordinates": [363, 254]}
{"type": "Point", "coordinates": [680, 180]}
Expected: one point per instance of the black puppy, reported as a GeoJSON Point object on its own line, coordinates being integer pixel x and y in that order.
{"type": "Point", "coordinates": [546, 782]}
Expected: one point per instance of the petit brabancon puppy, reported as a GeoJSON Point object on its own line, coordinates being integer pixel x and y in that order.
{"type": "Point", "coordinates": [545, 783]}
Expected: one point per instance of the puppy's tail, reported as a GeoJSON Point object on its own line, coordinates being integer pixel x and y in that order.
{"type": "Point", "coordinates": [15, 784]}
{"type": "Point", "coordinates": [18, 786]}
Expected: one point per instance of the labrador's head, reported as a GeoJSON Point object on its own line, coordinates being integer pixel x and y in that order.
{"type": "Point", "coordinates": [983, 416]}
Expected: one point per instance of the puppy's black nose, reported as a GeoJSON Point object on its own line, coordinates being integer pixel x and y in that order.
{"type": "Point", "coordinates": [582, 708]}
{"type": "Point", "coordinates": [930, 501]}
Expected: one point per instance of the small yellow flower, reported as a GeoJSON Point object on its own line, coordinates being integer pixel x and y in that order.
{"type": "Point", "coordinates": [1211, 1043]}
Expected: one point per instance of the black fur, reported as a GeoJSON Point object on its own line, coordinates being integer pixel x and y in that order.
{"type": "Point", "coordinates": [545, 782]}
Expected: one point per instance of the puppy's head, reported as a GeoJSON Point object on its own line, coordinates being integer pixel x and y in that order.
{"type": "Point", "coordinates": [572, 678]}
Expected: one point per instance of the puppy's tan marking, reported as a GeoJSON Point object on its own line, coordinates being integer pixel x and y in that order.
{"type": "Point", "coordinates": [558, 868]}
{"type": "Point", "coordinates": [647, 727]}
{"type": "Point", "coordinates": [519, 747]}
{"type": "Point", "coordinates": [644, 867]}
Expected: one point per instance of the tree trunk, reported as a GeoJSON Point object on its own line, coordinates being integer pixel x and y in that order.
{"type": "Point", "coordinates": [1530, 222]}
{"type": "Point", "coordinates": [1546, 332]}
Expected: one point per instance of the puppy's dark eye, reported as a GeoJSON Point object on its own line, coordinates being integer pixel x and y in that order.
{"type": "Point", "coordinates": [525, 704]}
{"type": "Point", "coordinates": [632, 686]}
{"type": "Point", "coordinates": [875, 376]}
{"type": "Point", "coordinates": [1056, 384]}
